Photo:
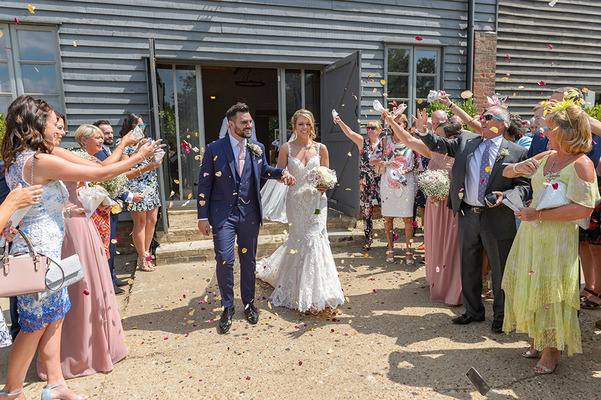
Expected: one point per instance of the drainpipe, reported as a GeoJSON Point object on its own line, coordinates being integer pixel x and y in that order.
{"type": "Point", "coordinates": [471, 17]}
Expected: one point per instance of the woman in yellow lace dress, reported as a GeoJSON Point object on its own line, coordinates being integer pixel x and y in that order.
{"type": "Point", "coordinates": [541, 274]}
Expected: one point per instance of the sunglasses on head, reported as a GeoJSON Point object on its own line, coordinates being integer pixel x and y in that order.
{"type": "Point", "coordinates": [371, 128]}
{"type": "Point", "coordinates": [488, 117]}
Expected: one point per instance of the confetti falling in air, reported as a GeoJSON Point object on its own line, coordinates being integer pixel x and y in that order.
{"type": "Point", "coordinates": [520, 87]}
{"type": "Point", "coordinates": [418, 38]}
{"type": "Point", "coordinates": [466, 94]}
{"type": "Point", "coordinates": [16, 21]}
{"type": "Point", "coordinates": [383, 82]}
{"type": "Point", "coordinates": [1, 34]}
{"type": "Point", "coordinates": [552, 3]}
{"type": "Point", "coordinates": [551, 47]}
{"type": "Point", "coordinates": [176, 181]}
{"type": "Point", "coordinates": [488, 169]}
{"type": "Point", "coordinates": [541, 83]}
{"type": "Point", "coordinates": [218, 174]}
{"type": "Point", "coordinates": [505, 79]}
{"type": "Point", "coordinates": [584, 90]}
{"type": "Point", "coordinates": [202, 203]}
{"type": "Point", "coordinates": [414, 224]}
{"type": "Point", "coordinates": [531, 272]}
{"type": "Point", "coordinates": [74, 44]}
{"type": "Point", "coordinates": [86, 292]}
{"type": "Point", "coordinates": [31, 8]}
{"type": "Point", "coordinates": [508, 57]}
{"type": "Point", "coordinates": [244, 251]}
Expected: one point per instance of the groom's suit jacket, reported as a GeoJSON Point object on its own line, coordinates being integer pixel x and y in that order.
{"type": "Point", "coordinates": [218, 181]}
{"type": "Point", "coordinates": [501, 219]}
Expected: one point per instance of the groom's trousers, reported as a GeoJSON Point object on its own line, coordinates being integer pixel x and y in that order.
{"type": "Point", "coordinates": [246, 229]}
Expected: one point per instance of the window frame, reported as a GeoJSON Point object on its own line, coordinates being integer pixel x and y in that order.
{"type": "Point", "coordinates": [412, 100]}
{"type": "Point", "coordinates": [15, 63]}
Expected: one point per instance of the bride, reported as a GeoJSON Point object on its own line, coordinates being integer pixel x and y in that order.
{"type": "Point", "coordinates": [302, 270]}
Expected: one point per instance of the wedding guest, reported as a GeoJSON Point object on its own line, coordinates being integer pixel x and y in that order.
{"type": "Point", "coordinates": [125, 197]}
{"type": "Point", "coordinates": [144, 213]}
{"type": "Point", "coordinates": [31, 127]}
{"type": "Point", "coordinates": [397, 190]}
{"type": "Point", "coordinates": [482, 224]}
{"type": "Point", "coordinates": [544, 258]}
{"type": "Point", "coordinates": [97, 344]}
{"type": "Point", "coordinates": [443, 269]}
{"type": "Point", "coordinates": [369, 176]}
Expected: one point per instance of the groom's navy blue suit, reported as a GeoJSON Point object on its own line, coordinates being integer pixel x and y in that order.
{"type": "Point", "coordinates": [232, 204]}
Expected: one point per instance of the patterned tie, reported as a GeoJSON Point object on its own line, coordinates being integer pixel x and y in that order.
{"type": "Point", "coordinates": [485, 169]}
{"type": "Point", "coordinates": [241, 157]}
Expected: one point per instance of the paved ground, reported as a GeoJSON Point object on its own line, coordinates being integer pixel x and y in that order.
{"type": "Point", "coordinates": [387, 342]}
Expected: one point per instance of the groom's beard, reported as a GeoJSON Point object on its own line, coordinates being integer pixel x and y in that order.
{"type": "Point", "coordinates": [245, 133]}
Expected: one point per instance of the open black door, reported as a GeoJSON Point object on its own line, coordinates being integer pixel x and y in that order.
{"type": "Point", "coordinates": [341, 90]}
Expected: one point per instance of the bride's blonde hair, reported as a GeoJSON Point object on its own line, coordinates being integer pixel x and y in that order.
{"type": "Point", "coordinates": [307, 114]}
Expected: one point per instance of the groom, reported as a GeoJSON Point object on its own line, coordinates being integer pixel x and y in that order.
{"type": "Point", "coordinates": [229, 202]}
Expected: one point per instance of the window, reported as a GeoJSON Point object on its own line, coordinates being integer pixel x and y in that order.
{"type": "Point", "coordinates": [411, 72]}
{"type": "Point", "coordinates": [29, 64]}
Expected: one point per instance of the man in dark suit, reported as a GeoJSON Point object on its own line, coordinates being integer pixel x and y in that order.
{"type": "Point", "coordinates": [229, 202]}
{"type": "Point", "coordinates": [483, 224]}
{"type": "Point", "coordinates": [107, 130]}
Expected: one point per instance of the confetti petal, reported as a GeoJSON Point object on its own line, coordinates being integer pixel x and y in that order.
{"type": "Point", "coordinates": [488, 169]}
{"type": "Point", "coordinates": [383, 82]}
{"type": "Point", "coordinates": [86, 292]}
{"type": "Point", "coordinates": [552, 3]}
{"type": "Point", "coordinates": [418, 38]}
{"type": "Point", "coordinates": [218, 174]}
{"type": "Point", "coordinates": [74, 44]}
{"type": "Point", "coordinates": [244, 251]}
{"type": "Point", "coordinates": [466, 94]}
{"type": "Point", "coordinates": [494, 129]}
{"type": "Point", "coordinates": [551, 46]}
{"type": "Point", "coordinates": [31, 8]}
{"type": "Point", "coordinates": [541, 83]}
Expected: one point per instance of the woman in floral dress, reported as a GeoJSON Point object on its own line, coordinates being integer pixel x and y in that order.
{"type": "Point", "coordinates": [369, 177]}
{"type": "Point", "coordinates": [541, 278]}
{"type": "Point", "coordinates": [144, 213]}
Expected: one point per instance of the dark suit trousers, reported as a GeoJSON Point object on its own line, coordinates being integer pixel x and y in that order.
{"type": "Point", "coordinates": [113, 246]}
{"type": "Point", "coordinates": [246, 229]}
{"type": "Point", "coordinates": [474, 237]}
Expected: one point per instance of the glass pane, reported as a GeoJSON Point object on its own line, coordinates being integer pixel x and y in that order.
{"type": "Point", "coordinates": [423, 86]}
{"type": "Point", "coordinates": [4, 45]}
{"type": "Point", "coordinates": [293, 95]}
{"type": "Point", "coordinates": [53, 101]}
{"type": "Point", "coordinates": [188, 129]}
{"type": "Point", "coordinates": [4, 103]}
{"type": "Point", "coordinates": [167, 128]}
{"type": "Point", "coordinates": [426, 62]}
{"type": "Point", "coordinates": [36, 45]}
{"type": "Point", "coordinates": [4, 80]}
{"type": "Point", "coordinates": [421, 104]}
{"type": "Point", "coordinates": [40, 79]}
{"type": "Point", "coordinates": [398, 86]}
{"type": "Point", "coordinates": [398, 60]}
{"type": "Point", "coordinates": [312, 102]}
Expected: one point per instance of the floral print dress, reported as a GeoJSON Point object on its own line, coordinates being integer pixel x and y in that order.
{"type": "Point", "coordinates": [148, 180]}
{"type": "Point", "coordinates": [370, 189]}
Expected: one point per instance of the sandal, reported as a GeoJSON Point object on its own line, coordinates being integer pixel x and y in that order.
{"type": "Point", "coordinates": [143, 265]}
{"type": "Point", "coordinates": [15, 394]}
{"type": "Point", "coordinates": [366, 247]}
{"type": "Point", "coordinates": [586, 304]}
{"type": "Point", "coordinates": [542, 370]}
{"type": "Point", "coordinates": [597, 295]}
{"type": "Point", "coordinates": [149, 260]}
{"type": "Point", "coordinates": [528, 354]}
{"type": "Point", "coordinates": [409, 261]}
{"type": "Point", "coordinates": [390, 256]}
{"type": "Point", "coordinates": [46, 393]}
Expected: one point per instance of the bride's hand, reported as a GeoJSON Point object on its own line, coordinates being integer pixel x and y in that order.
{"type": "Point", "coordinates": [288, 179]}
{"type": "Point", "coordinates": [322, 189]}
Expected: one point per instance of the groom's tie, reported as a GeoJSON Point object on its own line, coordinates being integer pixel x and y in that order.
{"type": "Point", "coordinates": [241, 157]}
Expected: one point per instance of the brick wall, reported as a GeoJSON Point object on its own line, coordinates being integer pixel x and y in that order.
{"type": "Point", "coordinates": [485, 59]}
{"type": "Point", "coordinates": [125, 244]}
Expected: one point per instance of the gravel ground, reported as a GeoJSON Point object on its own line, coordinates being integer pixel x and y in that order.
{"type": "Point", "coordinates": [388, 341]}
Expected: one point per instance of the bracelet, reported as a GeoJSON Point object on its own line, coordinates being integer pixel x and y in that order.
{"type": "Point", "coordinates": [140, 171]}
{"type": "Point", "coordinates": [514, 165]}
{"type": "Point", "coordinates": [452, 105]}
{"type": "Point", "coordinates": [540, 215]}
{"type": "Point", "coordinates": [68, 210]}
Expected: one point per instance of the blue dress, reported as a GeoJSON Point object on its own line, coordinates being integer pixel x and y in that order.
{"type": "Point", "coordinates": [44, 225]}
{"type": "Point", "coordinates": [138, 184]}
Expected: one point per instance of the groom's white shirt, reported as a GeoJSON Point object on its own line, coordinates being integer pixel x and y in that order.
{"type": "Point", "coordinates": [234, 143]}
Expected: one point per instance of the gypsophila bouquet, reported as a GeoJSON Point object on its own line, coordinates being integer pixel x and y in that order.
{"type": "Point", "coordinates": [435, 183]}
{"type": "Point", "coordinates": [114, 186]}
{"type": "Point", "coordinates": [322, 176]}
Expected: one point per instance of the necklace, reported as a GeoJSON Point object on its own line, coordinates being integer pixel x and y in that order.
{"type": "Point", "coordinates": [551, 176]}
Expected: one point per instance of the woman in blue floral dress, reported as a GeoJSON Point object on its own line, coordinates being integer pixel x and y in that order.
{"type": "Point", "coordinates": [369, 177]}
{"type": "Point", "coordinates": [31, 128]}
{"type": "Point", "coordinates": [143, 213]}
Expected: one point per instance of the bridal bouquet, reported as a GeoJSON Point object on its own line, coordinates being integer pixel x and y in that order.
{"type": "Point", "coordinates": [92, 197]}
{"type": "Point", "coordinates": [435, 183]}
{"type": "Point", "coordinates": [322, 176]}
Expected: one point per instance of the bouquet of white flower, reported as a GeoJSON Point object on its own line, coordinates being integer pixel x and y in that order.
{"type": "Point", "coordinates": [435, 183]}
{"type": "Point", "coordinates": [322, 176]}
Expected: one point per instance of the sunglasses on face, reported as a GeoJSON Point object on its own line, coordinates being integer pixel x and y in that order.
{"type": "Point", "coordinates": [371, 128]}
{"type": "Point", "coordinates": [488, 117]}
{"type": "Point", "coordinates": [142, 126]}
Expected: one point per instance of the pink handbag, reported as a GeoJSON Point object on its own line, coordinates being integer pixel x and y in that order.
{"type": "Point", "coordinates": [22, 273]}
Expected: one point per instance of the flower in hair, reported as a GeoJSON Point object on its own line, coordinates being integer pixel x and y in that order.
{"type": "Point", "coordinates": [495, 101]}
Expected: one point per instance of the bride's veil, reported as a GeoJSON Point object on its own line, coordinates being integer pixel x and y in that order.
{"type": "Point", "coordinates": [273, 197]}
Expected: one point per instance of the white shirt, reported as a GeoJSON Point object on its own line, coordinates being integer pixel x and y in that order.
{"type": "Point", "coordinates": [472, 177]}
{"type": "Point", "coordinates": [225, 128]}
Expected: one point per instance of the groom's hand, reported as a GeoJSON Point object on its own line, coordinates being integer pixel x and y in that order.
{"type": "Point", "coordinates": [288, 179]}
{"type": "Point", "coordinates": [204, 227]}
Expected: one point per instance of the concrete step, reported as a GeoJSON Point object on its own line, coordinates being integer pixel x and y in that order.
{"type": "Point", "coordinates": [202, 250]}
{"type": "Point", "coordinates": [183, 226]}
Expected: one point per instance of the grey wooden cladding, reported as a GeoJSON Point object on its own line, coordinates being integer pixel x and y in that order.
{"type": "Point", "coordinates": [105, 74]}
{"type": "Point", "coordinates": [526, 29]}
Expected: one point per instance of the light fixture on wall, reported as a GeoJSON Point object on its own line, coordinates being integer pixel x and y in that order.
{"type": "Point", "coordinates": [247, 81]}
{"type": "Point", "coordinates": [213, 97]}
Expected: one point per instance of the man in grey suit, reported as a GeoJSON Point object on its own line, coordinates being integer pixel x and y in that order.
{"type": "Point", "coordinates": [484, 224]}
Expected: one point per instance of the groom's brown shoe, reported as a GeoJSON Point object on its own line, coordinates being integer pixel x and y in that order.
{"type": "Point", "coordinates": [226, 319]}
{"type": "Point", "coordinates": [251, 312]}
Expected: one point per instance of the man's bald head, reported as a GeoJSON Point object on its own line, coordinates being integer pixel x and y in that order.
{"type": "Point", "coordinates": [438, 117]}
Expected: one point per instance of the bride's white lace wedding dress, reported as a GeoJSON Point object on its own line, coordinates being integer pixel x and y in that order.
{"type": "Point", "coordinates": [302, 270]}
